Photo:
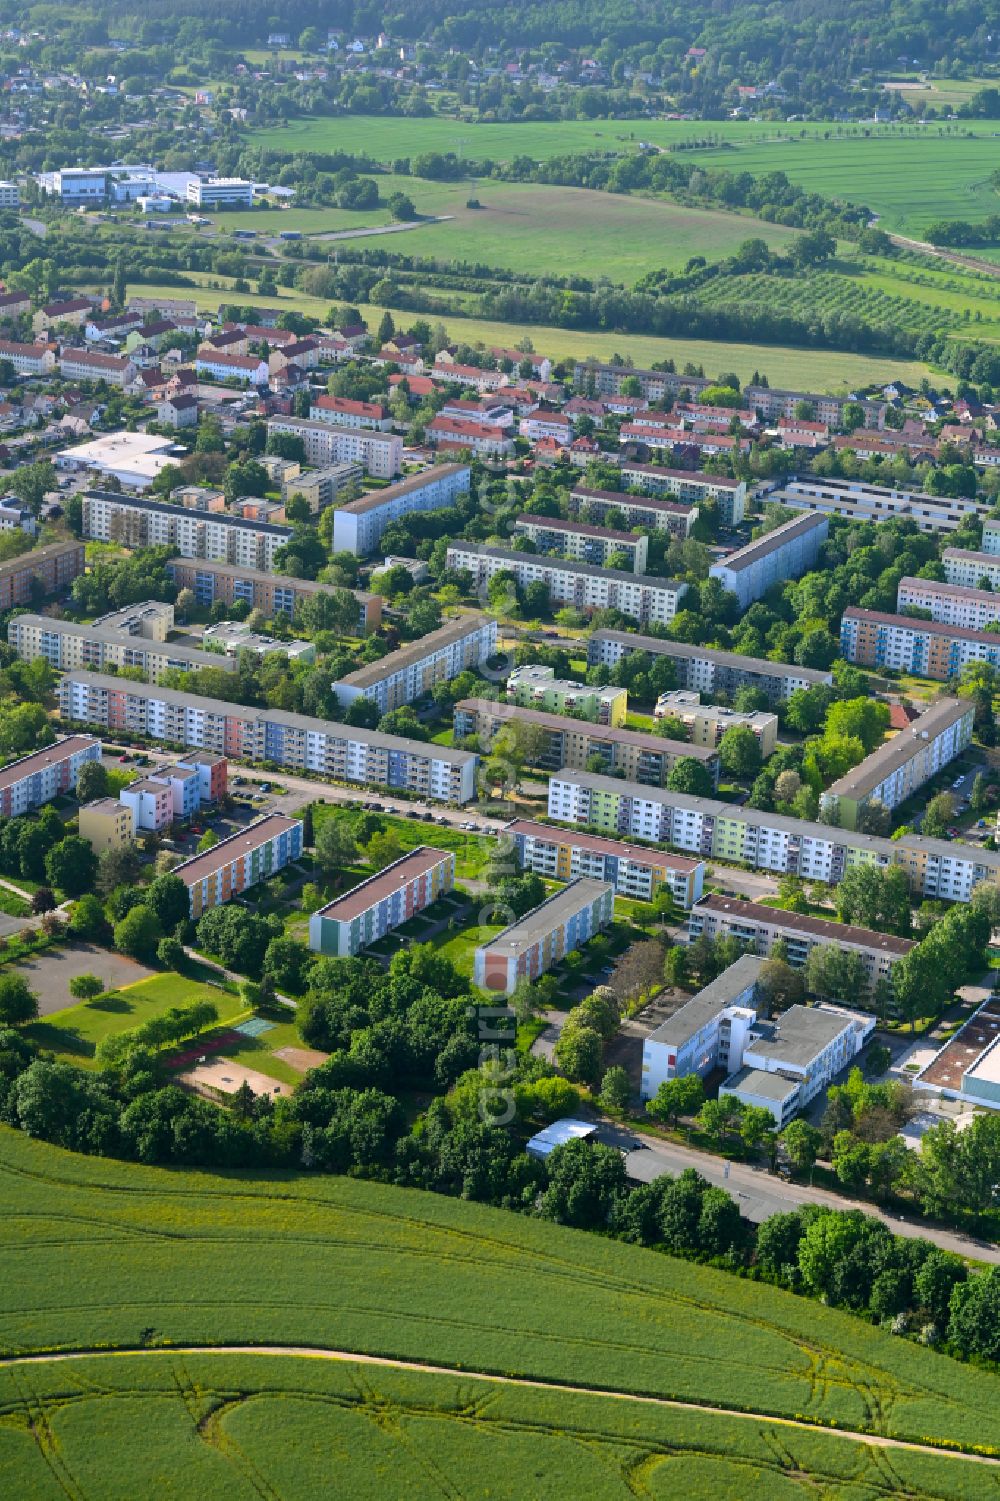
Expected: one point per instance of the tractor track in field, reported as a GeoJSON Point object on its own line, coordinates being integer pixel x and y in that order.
{"type": "Point", "coordinates": [310, 1352]}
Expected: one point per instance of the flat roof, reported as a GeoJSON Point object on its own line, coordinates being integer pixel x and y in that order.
{"type": "Point", "coordinates": [51, 755]}
{"type": "Point", "coordinates": [622, 498]}
{"type": "Point", "coordinates": [762, 547]}
{"type": "Point", "coordinates": [303, 723]}
{"type": "Point", "coordinates": [694, 476]}
{"type": "Point", "coordinates": [860, 490]}
{"type": "Point", "coordinates": [767, 1086]}
{"type": "Point", "coordinates": [261, 576]}
{"type": "Point", "coordinates": [105, 805]}
{"type": "Point", "coordinates": [922, 627]}
{"type": "Point", "coordinates": [564, 565]}
{"type": "Point", "coordinates": [798, 1034]}
{"type": "Point", "coordinates": [715, 997]}
{"type": "Point", "coordinates": [557, 1134]}
{"type": "Point", "coordinates": [568, 724]}
{"type": "Point", "coordinates": [953, 591]}
{"type": "Point", "coordinates": [894, 753]}
{"type": "Point", "coordinates": [658, 645]}
{"type": "Point", "coordinates": [196, 517]}
{"type": "Point", "coordinates": [378, 498]}
{"type": "Point", "coordinates": [415, 651]}
{"type": "Point", "coordinates": [836, 933]}
{"type": "Point", "coordinates": [947, 1068]}
{"type": "Point", "coordinates": [384, 884]}
{"type": "Point", "coordinates": [559, 524]}
{"type": "Point", "coordinates": [550, 914]}
{"type": "Point", "coordinates": [113, 636]}
{"type": "Point", "coordinates": [636, 854]}
{"type": "Point", "coordinates": [240, 843]}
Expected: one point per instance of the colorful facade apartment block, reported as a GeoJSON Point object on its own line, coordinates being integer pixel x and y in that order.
{"type": "Point", "coordinates": [926, 648]}
{"type": "Point", "coordinates": [253, 854]}
{"type": "Point", "coordinates": [294, 741]}
{"type": "Point", "coordinates": [537, 941]}
{"type": "Point", "coordinates": [632, 870]}
{"type": "Point", "coordinates": [385, 901]}
{"type": "Point", "coordinates": [952, 604]}
{"type": "Point", "coordinates": [36, 779]}
{"type": "Point", "coordinates": [152, 804]}
{"type": "Point", "coordinates": [972, 570]}
{"type": "Point", "coordinates": [536, 687]}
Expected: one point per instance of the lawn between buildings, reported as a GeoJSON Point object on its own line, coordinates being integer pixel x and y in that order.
{"type": "Point", "coordinates": [101, 1253]}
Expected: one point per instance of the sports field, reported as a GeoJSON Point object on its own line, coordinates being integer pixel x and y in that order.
{"type": "Point", "coordinates": [262, 1425]}
{"type": "Point", "coordinates": [104, 1254]}
{"type": "Point", "coordinates": [801, 369]}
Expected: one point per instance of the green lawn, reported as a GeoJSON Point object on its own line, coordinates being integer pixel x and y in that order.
{"type": "Point", "coordinates": [74, 1034]}
{"type": "Point", "coordinates": [13, 905]}
{"type": "Point", "coordinates": [460, 948]}
{"type": "Point", "coordinates": [800, 369]}
{"type": "Point", "coordinates": [471, 850]}
{"type": "Point", "coordinates": [258, 1052]}
{"type": "Point", "coordinates": [95, 1251]}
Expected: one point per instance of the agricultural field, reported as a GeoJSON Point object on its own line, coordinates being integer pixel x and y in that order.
{"type": "Point", "coordinates": [801, 369]}
{"type": "Point", "coordinates": [100, 1254]}
{"type": "Point", "coordinates": [251, 1425]}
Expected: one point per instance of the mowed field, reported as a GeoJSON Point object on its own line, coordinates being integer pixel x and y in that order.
{"type": "Point", "coordinates": [101, 1254]}
{"type": "Point", "coordinates": [266, 1425]}
{"type": "Point", "coordinates": [801, 369]}
{"type": "Point", "coordinates": [538, 230]}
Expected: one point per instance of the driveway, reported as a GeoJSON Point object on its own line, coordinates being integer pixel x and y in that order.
{"type": "Point", "coordinates": [50, 972]}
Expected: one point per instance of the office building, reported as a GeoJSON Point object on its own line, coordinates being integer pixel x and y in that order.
{"type": "Point", "coordinates": [897, 769]}
{"type": "Point", "coordinates": [384, 902]}
{"type": "Point", "coordinates": [951, 604]}
{"type": "Point", "coordinates": [358, 525]}
{"type": "Point", "coordinates": [633, 870]}
{"type": "Point", "coordinates": [642, 758]}
{"type": "Point", "coordinates": [235, 864]}
{"type": "Point", "coordinates": [271, 593]}
{"type": "Point", "coordinates": [707, 723]}
{"type": "Point", "coordinates": [379, 454]}
{"type": "Point", "coordinates": [596, 506]}
{"type": "Point", "coordinates": [219, 192]}
{"type": "Point", "coordinates": [107, 824]}
{"type": "Point", "coordinates": [537, 687]}
{"type": "Point", "coordinates": [50, 569]}
{"type": "Point", "coordinates": [534, 943]}
{"type": "Point", "coordinates": [708, 1032]}
{"type": "Point", "coordinates": [926, 648]}
{"type": "Point", "coordinates": [760, 928]}
{"type": "Point", "coordinates": [131, 522]}
{"type": "Point", "coordinates": [464, 643]}
{"type": "Point", "coordinates": [65, 645]}
{"type": "Point", "coordinates": [788, 552]}
{"type": "Point", "coordinates": [586, 589]}
{"type": "Point", "coordinates": [583, 543]}
{"type": "Point", "coordinates": [35, 779]}
{"type": "Point", "coordinates": [856, 500]}
{"type": "Point", "coordinates": [294, 741]}
{"type": "Point", "coordinates": [787, 1062]}
{"type": "Point", "coordinates": [705, 670]}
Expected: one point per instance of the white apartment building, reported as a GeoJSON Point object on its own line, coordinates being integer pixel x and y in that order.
{"type": "Point", "coordinates": [786, 553]}
{"type": "Point", "coordinates": [407, 674]}
{"type": "Point", "coordinates": [10, 195]}
{"type": "Point", "coordinates": [991, 537]}
{"type": "Point", "coordinates": [358, 525]}
{"type": "Point", "coordinates": [29, 359]}
{"type": "Point", "coordinates": [708, 1032]}
{"type": "Point", "coordinates": [856, 500]}
{"type": "Point", "coordinates": [219, 192]}
{"type": "Point", "coordinates": [247, 368]}
{"type": "Point", "coordinates": [66, 645]}
{"type": "Point", "coordinates": [705, 669]}
{"type": "Point", "coordinates": [970, 569]}
{"type": "Point", "coordinates": [87, 364]}
{"type": "Point", "coordinates": [690, 486]}
{"type": "Point", "coordinates": [954, 604]}
{"type": "Point", "coordinates": [582, 542]}
{"type": "Point", "coordinates": [341, 411]}
{"type": "Point", "coordinates": [674, 516]}
{"type": "Point", "coordinates": [193, 534]}
{"type": "Point", "coordinates": [575, 584]}
{"type": "Point", "coordinates": [381, 454]}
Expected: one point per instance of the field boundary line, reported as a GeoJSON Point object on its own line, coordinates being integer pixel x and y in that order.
{"type": "Point", "coordinates": [316, 1352]}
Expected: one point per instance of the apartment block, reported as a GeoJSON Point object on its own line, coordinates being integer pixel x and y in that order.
{"type": "Point", "coordinates": [151, 804]}
{"type": "Point", "coordinates": [293, 741]}
{"type": "Point", "coordinates": [642, 758]}
{"type": "Point", "coordinates": [110, 517]}
{"type": "Point", "coordinates": [271, 593]}
{"type": "Point", "coordinates": [973, 570]}
{"type": "Point", "coordinates": [945, 869]}
{"type": "Point", "coordinates": [786, 553]}
{"type": "Point", "coordinates": [86, 364]}
{"type": "Point", "coordinates": [480, 438]}
{"type": "Point", "coordinates": [760, 928]}
{"type": "Point", "coordinates": [788, 1061]}
{"type": "Point", "coordinates": [586, 589]}
{"type": "Point", "coordinates": [596, 506]}
{"type": "Point", "coordinates": [691, 486]}
{"type": "Point", "coordinates": [320, 488]}
{"type": "Point", "coordinates": [232, 637]}
{"type": "Point", "coordinates": [235, 864]}
{"type": "Point", "coordinates": [897, 769]}
{"type": "Point", "coordinates": [107, 824]}
{"type": "Point", "coordinates": [991, 536]}
{"type": "Point", "coordinates": [358, 525]}
{"type": "Point", "coordinates": [212, 772]}
{"type": "Point", "coordinates": [582, 542]}
{"type": "Point", "coordinates": [951, 604]}
{"type": "Point", "coordinates": [707, 723]}
{"type": "Point", "coordinates": [633, 871]}
{"type": "Point", "coordinates": [771, 404]}
{"type": "Point", "coordinates": [341, 411]}
{"type": "Point", "coordinates": [380, 454]}
{"type": "Point", "coordinates": [50, 569]}
{"type": "Point", "coordinates": [544, 936]}
{"type": "Point", "coordinates": [33, 780]}
{"type": "Point", "coordinates": [184, 784]}
{"type": "Point", "coordinates": [29, 359]}
{"type": "Point", "coordinates": [708, 1032]}
{"type": "Point", "coordinates": [537, 687]}
{"type": "Point", "coordinates": [926, 648]}
{"type": "Point", "coordinates": [384, 902]}
{"type": "Point", "coordinates": [404, 675]}
{"type": "Point", "coordinates": [856, 500]}
{"type": "Point", "coordinates": [705, 670]}
{"type": "Point", "coordinates": [65, 645]}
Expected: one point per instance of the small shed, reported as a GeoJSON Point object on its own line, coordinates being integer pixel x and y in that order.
{"type": "Point", "coordinates": [557, 1134]}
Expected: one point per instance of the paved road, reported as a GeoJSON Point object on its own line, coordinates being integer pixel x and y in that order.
{"type": "Point", "coordinates": [760, 1193]}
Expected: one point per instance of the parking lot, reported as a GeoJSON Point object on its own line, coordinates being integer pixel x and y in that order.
{"type": "Point", "coordinates": [49, 973]}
